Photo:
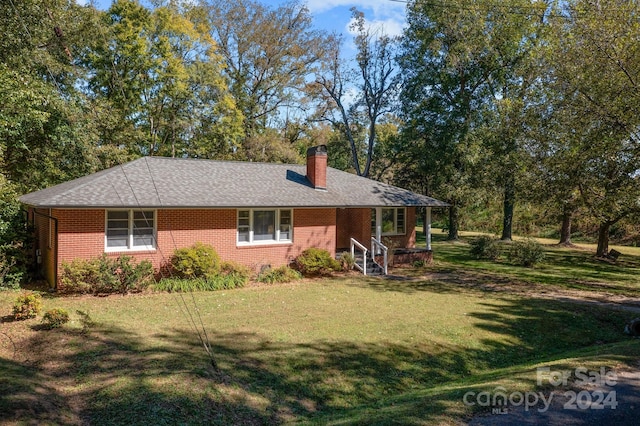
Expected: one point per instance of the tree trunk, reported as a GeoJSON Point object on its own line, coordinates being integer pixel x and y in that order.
{"type": "Point", "coordinates": [565, 230]}
{"type": "Point", "coordinates": [454, 220]}
{"type": "Point", "coordinates": [603, 238]}
{"type": "Point", "coordinates": [509, 203]}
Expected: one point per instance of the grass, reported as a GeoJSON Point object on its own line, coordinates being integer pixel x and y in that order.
{"type": "Point", "coordinates": [576, 269]}
{"type": "Point", "coordinates": [347, 350]}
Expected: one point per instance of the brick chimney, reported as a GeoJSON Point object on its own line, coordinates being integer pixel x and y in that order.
{"type": "Point", "coordinates": [317, 167]}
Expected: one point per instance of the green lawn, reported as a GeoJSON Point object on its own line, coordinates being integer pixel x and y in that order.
{"type": "Point", "coordinates": [576, 269]}
{"type": "Point", "coordinates": [348, 350]}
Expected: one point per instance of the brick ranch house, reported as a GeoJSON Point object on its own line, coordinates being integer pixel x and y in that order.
{"type": "Point", "coordinates": [255, 214]}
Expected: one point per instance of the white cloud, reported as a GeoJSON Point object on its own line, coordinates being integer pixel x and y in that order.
{"type": "Point", "coordinates": [378, 6]}
{"type": "Point", "coordinates": [387, 14]}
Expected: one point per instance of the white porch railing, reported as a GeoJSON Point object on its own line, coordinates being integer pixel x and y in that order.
{"type": "Point", "coordinates": [355, 244]}
{"type": "Point", "coordinates": [378, 247]}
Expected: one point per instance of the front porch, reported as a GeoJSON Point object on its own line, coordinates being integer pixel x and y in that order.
{"type": "Point", "coordinates": [382, 236]}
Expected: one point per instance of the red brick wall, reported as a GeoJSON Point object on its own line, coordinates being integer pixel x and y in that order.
{"type": "Point", "coordinates": [353, 223]}
{"type": "Point", "coordinates": [81, 235]}
{"type": "Point", "coordinates": [317, 169]}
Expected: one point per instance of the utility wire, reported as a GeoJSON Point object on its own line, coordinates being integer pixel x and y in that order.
{"type": "Point", "coordinates": [202, 336]}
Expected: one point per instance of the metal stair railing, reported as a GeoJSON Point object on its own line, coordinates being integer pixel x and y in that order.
{"type": "Point", "coordinates": [355, 244]}
{"type": "Point", "coordinates": [378, 247]}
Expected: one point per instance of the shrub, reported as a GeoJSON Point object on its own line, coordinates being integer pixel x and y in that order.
{"type": "Point", "coordinates": [484, 247]}
{"type": "Point", "coordinates": [198, 261]}
{"type": "Point", "coordinates": [315, 261]}
{"type": "Point", "coordinates": [229, 275]}
{"type": "Point", "coordinates": [55, 318]}
{"type": "Point", "coordinates": [105, 275]}
{"type": "Point", "coordinates": [13, 266]}
{"type": "Point", "coordinates": [420, 263]}
{"type": "Point", "coordinates": [133, 277]}
{"type": "Point", "coordinates": [236, 273]}
{"type": "Point", "coordinates": [283, 274]}
{"type": "Point", "coordinates": [219, 282]}
{"type": "Point", "coordinates": [9, 277]}
{"type": "Point", "coordinates": [28, 305]}
{"type": "Point", "coordinates": [347, 260]}
{"type": "Point", "coordinates": [526, 253]}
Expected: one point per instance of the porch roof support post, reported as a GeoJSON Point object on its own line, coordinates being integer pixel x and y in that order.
{"type": "Point", "coordinates": [427, 227]}
{"type": "Point", "coordinates": [378, 227]}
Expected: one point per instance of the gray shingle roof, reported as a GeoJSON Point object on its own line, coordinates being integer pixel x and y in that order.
{"type": "Point", "coordinates": [153, 182]}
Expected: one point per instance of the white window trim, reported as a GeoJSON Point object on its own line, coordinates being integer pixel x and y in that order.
{"type": "Point", "coordinates": [395, 221]}
{"type": "Point", "coordinates": [251, 242]}
{"type": "Point", "coordinates": [130, 247]}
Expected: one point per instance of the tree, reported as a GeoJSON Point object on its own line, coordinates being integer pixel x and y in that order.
{"type": "Point", "coordinates": [467, 84]}
{"type": "Point", "coordinates": [375, 81]}
{"type": "Point", "coordinates": [596, 68]}
{"type": "Point", "coordinates": [43, 134]}
{"type": "Point", "coordinates": [268, 55]}
{"type": "Point", "coordinates": [445, 71]}
{"type": "Point", "coordinates": [159, 70]}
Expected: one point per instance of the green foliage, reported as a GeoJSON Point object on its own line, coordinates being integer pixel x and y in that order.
{"type": "Point", "coordinates": [270, 53]}
{"type": "Point", "coordinates": [105, 275]}
{"type": "Point", "coordinates": [198, 261]}
{"type": "Point", "coordinates": [347, 260]}
{"type": "Point", "coordinates": [15, 238]}
{"type": "Point", "coordinates": [484, 247]}
{"type": "Point", "coordinates": [315, 261]}
{"type": "Point", "coordinates": [199, 273]}
{"type": "Point", "coordinates": [212, 283]}
{"type": "Point", "coordinates": [234, 272]}
{"type": "Point", "coordinates": [283, 274]}
{"type": "Point", "coordinates": [420, 263]}
{"type": "Point", "coordinates": [171, 98]}
{"type": "Point", "coordinates": [28, 305]}
{"type": "Point", "coordinates": [131, 276]}
{"type": "Point", "coordinates": [526, 253]}
{"type": "Point", "coordinates": [10, 275]}
{"type": "Point", "coordinates": [55, 318]}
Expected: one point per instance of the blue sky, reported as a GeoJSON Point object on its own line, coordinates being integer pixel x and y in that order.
{"type": "Point", "coordinates": [334, 15]}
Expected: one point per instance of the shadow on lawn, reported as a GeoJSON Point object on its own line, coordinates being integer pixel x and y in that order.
{"type": "Point", "coordinates": [26, 395]}
{"type": "Point", "coordinates": [115, 376]}
{"type": "Point", "coordinates": [562, 268]}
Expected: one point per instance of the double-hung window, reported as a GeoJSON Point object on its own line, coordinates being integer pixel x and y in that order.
{"type": "Point", "coordinates": [130, 230]}
{"type": "Point", "coordinates": [265, 226]}
{"type": "Point", "coordinates": [392, 220]}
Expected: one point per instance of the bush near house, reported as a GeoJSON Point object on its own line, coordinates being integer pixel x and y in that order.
{"type": "Point", "coordinates": [198, 261]}
{"type": "Point", "coordinates": [283, 274]}
{"type": "Point", "coordinates": [347, 260]}
{"type": "Point", "coordinates": [235, 272]}
{"type": "Point", "coordinates": [224, 276]}
{"type": "Point", "coordinates": [26, 306]}
{"type": "Point", "coordinates": [105, 275]}
{"type": "Point", "coordinates": [315, 261]}
{"type": "Point", "coordinates": [183, 285]}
